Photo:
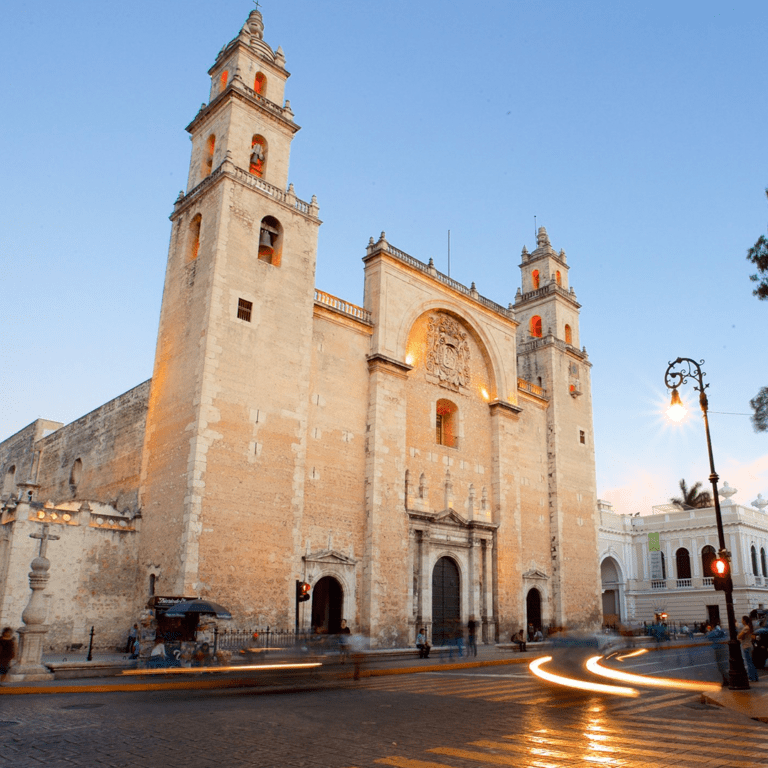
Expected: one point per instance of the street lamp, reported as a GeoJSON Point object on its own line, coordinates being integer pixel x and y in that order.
{"type": "Point", "coordinates": [687, 368]}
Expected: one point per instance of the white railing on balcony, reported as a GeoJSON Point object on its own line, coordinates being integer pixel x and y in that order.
{"type": "Point", "coordinates": [758, 581]}
{"type": "Point", "coordinates": [683, 583]}
{"type": "Point", "coordinates": [659, 584]}
{"type": "Point", "coordinates": [709, 581]}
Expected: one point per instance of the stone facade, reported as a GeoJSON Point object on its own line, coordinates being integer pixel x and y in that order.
{"type": "Point", "coordinates": [421, 459]}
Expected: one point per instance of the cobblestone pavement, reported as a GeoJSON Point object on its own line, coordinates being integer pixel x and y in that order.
{"type": "Point", "coordinates": [440, 719]}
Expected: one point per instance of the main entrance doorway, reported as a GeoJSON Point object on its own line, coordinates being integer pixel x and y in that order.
{"type": "Point", "coordinates": [533, 608]}
{"type": "Point", "coordinates": [446, 601]}
{"type": "Point", "coordinates": [327, 603]}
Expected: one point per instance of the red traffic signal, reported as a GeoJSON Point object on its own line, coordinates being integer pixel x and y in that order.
{"type": "Point", "coordinates": [302, 591]}
{"type": "Point", "coordinates": [721, 571]}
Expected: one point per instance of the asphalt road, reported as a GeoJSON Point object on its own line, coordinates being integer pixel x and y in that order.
{"type": "Point", "coordinates": [439, 719]}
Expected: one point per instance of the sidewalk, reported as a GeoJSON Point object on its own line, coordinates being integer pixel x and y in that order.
{"type": "Point", "coordinates": [116, 672]}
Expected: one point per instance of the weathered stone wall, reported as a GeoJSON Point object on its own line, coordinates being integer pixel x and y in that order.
{"type": "Point", "coordinates": [18, 458]}
{"type": "Point", "coordinates": [107, 442]}
{"type": "Point", "coordinates": [92, 579]}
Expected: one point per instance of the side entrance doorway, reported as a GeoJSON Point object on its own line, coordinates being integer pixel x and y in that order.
{"type": "Point", "coordinates": [327, 605]}
{"type": "Point", "coordinates": [533, 609]}
{"type": "Point", "coordinates": [446, 601]}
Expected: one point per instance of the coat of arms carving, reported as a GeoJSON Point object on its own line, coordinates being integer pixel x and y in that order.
{"type": "Point", "coordinates": [447, 360]}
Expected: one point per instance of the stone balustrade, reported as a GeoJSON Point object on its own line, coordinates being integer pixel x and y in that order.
{"type": "Point", "coordinates": [345, 307]}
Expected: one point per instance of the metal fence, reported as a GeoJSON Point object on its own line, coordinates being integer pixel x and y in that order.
{"type": "Point", "coordinates": [262, 639]}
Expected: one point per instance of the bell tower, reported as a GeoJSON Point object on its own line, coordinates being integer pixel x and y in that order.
{"type": "Point", "coordinates": [234, 345]}
{"type": "Point", "coordinates": [549, 357]}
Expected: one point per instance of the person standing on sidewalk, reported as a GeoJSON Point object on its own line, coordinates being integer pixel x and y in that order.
{"type": "Point", "coordinates": [7, 653]}
{"type": "Point", "coordinates": [471, 637]}
{"type": "Point", "coordinates": [745, 638]}
{"type": "Point", "coordinates": [422, 644]}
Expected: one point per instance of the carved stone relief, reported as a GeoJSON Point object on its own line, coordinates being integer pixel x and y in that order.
{"type": "Point", "coordinates": [447, 360]}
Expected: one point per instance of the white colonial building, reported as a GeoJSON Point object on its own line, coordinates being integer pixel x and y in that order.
{"type": "Point", "coordinates": [637, 583]}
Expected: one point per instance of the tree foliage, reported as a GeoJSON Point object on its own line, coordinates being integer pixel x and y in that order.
{"type": "Point", "coordinates": [693, 497]}
{"type": "Point", "coordinates": [758, 255]}
{"type": "Point", "coordinates": [759, 405]}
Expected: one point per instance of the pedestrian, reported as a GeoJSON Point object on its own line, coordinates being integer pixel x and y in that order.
{"type": "Point", "coordinates": [519, 638]}
{"type": "Point", "coordinates": [717, 638]}
{"type": "Point", "coordinates": [7, 653]}
{"type": "Point", "coordinates": [471, 637]}
{"type": "Point", "coordinates": [344, 634]}
{"type": "Point", "coordinates": [538, 636]}
{"type": "Point", "coordinates": [133, 634]}
{"type": "Point", "coordinates": [745, 638]}
{"type": "Point", "coordinates": [530, 633]}
{"type": "Point", "coordinates": [157, 657]}
{"type": "Point", "coordinates": [422, 644]}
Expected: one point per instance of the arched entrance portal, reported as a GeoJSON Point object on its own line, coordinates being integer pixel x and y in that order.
{"type": "Point", "coordinates": [533, 608]}
{"type": "Point", "coordinates": [446, 600]}
{"type": "Point", "coordinates": [610, 577]}
{"type": "Point", "coordinates": [327, 604]}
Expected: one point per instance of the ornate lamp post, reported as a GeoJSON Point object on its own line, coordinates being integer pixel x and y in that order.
{"type": "Point", "coordinates": [678, 373]}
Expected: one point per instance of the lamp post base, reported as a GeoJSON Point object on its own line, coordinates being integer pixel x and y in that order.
{"type": "Point", "coordinates": [737, 674]}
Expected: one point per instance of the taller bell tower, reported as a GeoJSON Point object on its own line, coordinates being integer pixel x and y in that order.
{"type": "Point", "coordinates": [224, 452]}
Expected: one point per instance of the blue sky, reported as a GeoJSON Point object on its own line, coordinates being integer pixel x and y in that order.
{"type": "Point", "coordinates": [634, 132]}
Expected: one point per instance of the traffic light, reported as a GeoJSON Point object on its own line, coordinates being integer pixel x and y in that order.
{"type": "Point", "coordinates": [721, 571]}
{"type": "Point", "coordinates": [302, 591]}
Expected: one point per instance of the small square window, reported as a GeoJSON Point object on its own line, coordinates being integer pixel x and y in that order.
{"type": "Point", "coordinates": [582, 437]}
{"type": "Point", "coordinates": [244, 310]}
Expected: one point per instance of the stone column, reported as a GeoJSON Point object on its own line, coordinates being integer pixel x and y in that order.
{"type": "Point", "coordinates": [32, 636]}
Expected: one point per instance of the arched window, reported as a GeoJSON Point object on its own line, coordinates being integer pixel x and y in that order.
{"type": "Point", "coordinates": [152, 579]}
{"type": "Point", "coordinates": [258, 161]}
{"type": "Point", "coordinates": [536, 326]}
{"type": "Point", "coordinates": [75, 475]}
{"type": "Point", "coordinates": [223, 80]}
{"type": "Point", "coordinates": [535, 279]}
{"type": "Point", "coordinates": [559, 278]}
{"type": "Point", "coordinates": [193, 247]}
{"type": "Point", "coordinates": [208, 160]}
{"type": "Point", "coordinates": [568, 334]}
{"type": "Point", "coordinates": [762, 561]}
{"type": "Point", "coordinates": [260, 84]}
{"type": "Point", "coordinates": [708, 555]}
{"type": "Point", "coordinates": [446, 424]}
{"type": "Point", "coordinates": [755, 572]}
{"type": "Point", "coordinates": [270, 241]}
{"type": "Point", "coordinates": [683, 560]}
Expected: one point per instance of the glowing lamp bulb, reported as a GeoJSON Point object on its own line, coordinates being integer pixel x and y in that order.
{"type": "Point", "coordinates": [409, 359]}
{"type": "Point", "coordinates": [676, 410]}
{"type": "Point", "coordinates": [720, 567]}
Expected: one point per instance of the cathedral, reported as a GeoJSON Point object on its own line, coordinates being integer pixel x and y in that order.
{"type": "Point", "coordinates": [418, 461]}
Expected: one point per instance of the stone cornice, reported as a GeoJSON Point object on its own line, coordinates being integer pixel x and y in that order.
{"type": "Point", "coordinates": [379, 362]}
{"type": "Point", "coordinates": [237, 89]}
{"type": "Point", "coordinates": [383, 248]}
{"type": "Point", "coordinates": [229, 170]}
{"type": "Point", "coordinates": [551, 341]}
{"type": "Point", "coordinates": [541, 294]}
{"type": "Point", "coordinates": [503, 407]}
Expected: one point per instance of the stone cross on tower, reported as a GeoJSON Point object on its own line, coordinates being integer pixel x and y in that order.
{"type": "Point", "coordinates": [44, 537]}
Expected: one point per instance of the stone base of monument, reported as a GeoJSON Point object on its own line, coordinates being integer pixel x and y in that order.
{"type": "Point", "coordinates": [29, 667]}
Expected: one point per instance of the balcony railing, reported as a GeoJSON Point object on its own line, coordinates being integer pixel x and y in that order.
{"type": "Point", "coordinates": [659, 584]}
{"type": "Point", "coordinates": [709, 581]}
{"type": "Point", "coordinates": [684, 583]}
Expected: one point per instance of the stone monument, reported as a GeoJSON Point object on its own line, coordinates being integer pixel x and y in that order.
{"type": "Point", "coordinates": [32, 635]}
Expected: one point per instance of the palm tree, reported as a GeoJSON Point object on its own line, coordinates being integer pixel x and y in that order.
{"type": "Point", "coordinates": [693, 497]}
